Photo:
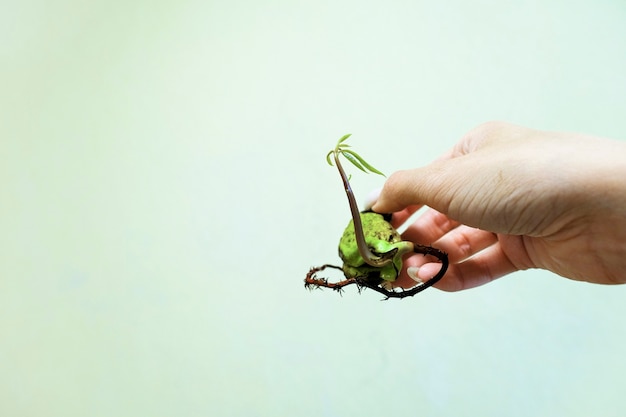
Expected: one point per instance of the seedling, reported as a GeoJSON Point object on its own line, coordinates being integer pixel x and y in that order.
{"type": "Point", "coordinates": [371, 248]}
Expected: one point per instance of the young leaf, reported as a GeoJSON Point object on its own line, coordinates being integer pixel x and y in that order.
{"type": "Point", "coordinates": [349, 156]}
{"type": "Point", "coordinates": [343, 138]}
{"type": "Point", "coordinates": [330, 162]}
{"type": "Point", "coordinates": [362, 161]}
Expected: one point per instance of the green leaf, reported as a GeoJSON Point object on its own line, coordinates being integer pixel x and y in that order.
{"type": "Point", "coordinates": [348, 155]}
{"type": "Point", "coordinates": [344, 138]}
{"type": "Point", "coordinates": [361, 161]}
{"type": "Point", "coordinates": [328, 158]}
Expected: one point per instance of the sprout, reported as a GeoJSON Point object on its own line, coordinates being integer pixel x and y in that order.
{"type": "Point", "coordinates": [377, 267]}
{"type": "Point", "coordinates": [350, 155]}
{"type": "Point", "coordinates": [341, 148]}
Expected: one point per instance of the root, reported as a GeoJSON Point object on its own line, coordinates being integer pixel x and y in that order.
{"type": "Point", "coordinates": [312, 281]}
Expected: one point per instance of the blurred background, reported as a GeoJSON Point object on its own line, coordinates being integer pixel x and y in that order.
{"type": "Point", "coordinates": [164, 192]}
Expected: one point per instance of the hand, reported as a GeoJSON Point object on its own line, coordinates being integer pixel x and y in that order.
{"type": "Point", "coordinates": [508, 198]}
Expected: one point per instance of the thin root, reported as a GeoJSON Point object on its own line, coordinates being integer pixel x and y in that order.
{"type": "Point", "coordinates": [311, 281]}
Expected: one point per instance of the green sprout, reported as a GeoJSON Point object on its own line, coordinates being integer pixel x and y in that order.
{"type": "Point", "coordinates": [371, 249]}
{"type": "Point", "coordinates": [341, 148]}
{"type": "Point", "coordinates": [350, 155]}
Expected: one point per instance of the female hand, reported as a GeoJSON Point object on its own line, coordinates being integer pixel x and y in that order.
{"type": "Point", "coordinates": [507, 198]}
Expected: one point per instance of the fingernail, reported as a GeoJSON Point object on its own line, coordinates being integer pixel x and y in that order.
{"type": "Point", "coordinates": [412, 272]}
{"type": "Point", "coordinates": [372, 198]}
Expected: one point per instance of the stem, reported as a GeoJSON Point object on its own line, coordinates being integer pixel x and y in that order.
{"type": "Point", "coordinates": [364, 250]}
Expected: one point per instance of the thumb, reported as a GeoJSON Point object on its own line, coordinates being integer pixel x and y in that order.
{"type": "Point", "coordinates": [434, 185]}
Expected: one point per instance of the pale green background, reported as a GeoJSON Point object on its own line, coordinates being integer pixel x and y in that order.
{"type": "Point", "coordinates": [164, 192]}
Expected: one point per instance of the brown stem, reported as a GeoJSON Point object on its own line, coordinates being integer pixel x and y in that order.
{"type": "Point", "coordinates": [364, 250]}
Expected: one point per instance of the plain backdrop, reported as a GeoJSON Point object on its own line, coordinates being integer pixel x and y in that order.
{"type": "Point", "coordinates": [164, 192]}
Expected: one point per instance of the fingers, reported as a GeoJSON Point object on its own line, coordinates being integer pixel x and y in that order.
{"type": "Point", "coordinates": [371, 199]}
{"type": "Point", "coordinates": [465, 242]}
{"type": "Point", "coordinates": [402, 189]}
{"type": "Point", "coordinates": [455, 176]}
{"type": "Point", "coordinates": [485, 266]}
{"type": "Point", "coordinates": [428, 228]}
{"type": "Point", "coordinates": [476, 256]}
{"type": "Point", "coordinates": [399, 217]}
{"type": "Point", "coordinates": [461, 183]}
{"type": "Point", "coordinates": [459, 244]}
{"type": "Point", "coordinates": [457, 240]}
{"type": "Point", "coordinates": [421, 186]}
{"type": "Point", "coordinates": [435, 185]}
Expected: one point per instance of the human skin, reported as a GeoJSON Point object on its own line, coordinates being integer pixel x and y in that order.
{"type": "Point", "coordinates": [508, 198]}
